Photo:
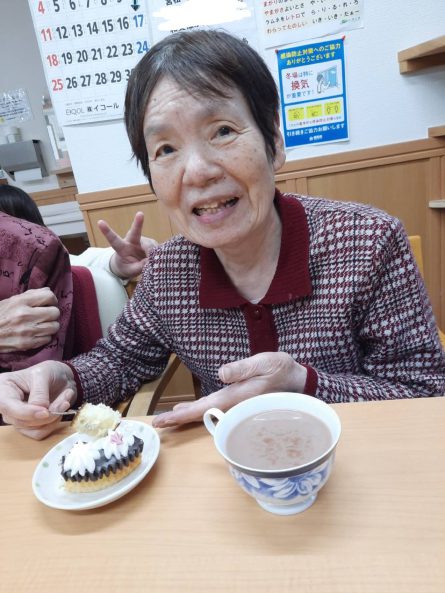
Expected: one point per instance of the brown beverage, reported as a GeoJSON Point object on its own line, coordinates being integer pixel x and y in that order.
{"type": "Point", "coordinates": [278, 439]}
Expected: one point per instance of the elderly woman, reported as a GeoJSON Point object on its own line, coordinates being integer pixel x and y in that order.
{"type": "Point", "coordinates": [261, 292]}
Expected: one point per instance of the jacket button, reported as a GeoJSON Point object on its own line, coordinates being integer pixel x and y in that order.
{"type": "Point", "coordinates": [256, 313]}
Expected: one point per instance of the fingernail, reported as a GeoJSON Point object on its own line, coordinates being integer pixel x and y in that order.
{"type": "Point", "coordinates": [161, 423]}
{"type": "Point", "coordinates": [168, 423]}
{"type": "Point", "coordinates": [59, 409]}
{"type": "Point", "coordinates": [42, 414]}
{"type": "Point", "coordinates": [64, 406]}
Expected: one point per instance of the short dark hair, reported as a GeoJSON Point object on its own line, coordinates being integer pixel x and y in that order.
{"type": "Point", "coordinates": [206, 63]}
{"type": "Point", "coordinates": [16, 202]}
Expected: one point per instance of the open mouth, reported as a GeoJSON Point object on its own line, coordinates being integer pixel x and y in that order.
{"type": "Point", "coordinates": [215, 207]}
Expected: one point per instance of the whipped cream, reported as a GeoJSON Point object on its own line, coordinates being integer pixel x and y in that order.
{"type": "Point", "coordinates": [115, 443]}
{"type": "Point", "coordinates": [81, 458]}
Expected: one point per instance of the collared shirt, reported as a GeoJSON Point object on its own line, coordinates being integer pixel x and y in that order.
{"type": "Point", "coordinates": [291, 281]}
{"type": "Point", "coordinates": [347, 301]}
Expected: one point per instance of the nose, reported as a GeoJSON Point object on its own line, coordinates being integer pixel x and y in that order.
{"type": "Point", "coordinates": [201, 166]}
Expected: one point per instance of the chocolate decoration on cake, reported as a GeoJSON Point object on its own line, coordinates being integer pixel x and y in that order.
{"type": "Point", "coordinates": [104, 466]}
{"type": "Point", "coordinates": [112, 453]}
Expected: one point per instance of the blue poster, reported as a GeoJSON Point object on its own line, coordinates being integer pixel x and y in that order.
{"type": "Point", "coordinates": [313, 93]}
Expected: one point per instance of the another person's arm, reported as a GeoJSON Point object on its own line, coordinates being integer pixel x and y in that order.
{"type": "Point", "coordinates": [126, 256]}
{"type": "Point", "coordinates": [31, 320]}
{"type": "Point", "coordinates": [132, 251]}
{"type": "Point", "coordinates": [50, 269]}
{"type": "Point", "coordinates": [28, 320]}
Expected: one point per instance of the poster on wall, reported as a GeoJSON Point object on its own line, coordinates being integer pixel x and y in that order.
{"type": "Point", "coordinates": [14, 106]}
{"type": "Point", "coordinates": [291, 21]}
{"type": "Point", "coordinates": [88, 50]}
{"type": "Point", "coordinates": [234, 16]}
{"type": "Point", "coordinates": [313, 93]}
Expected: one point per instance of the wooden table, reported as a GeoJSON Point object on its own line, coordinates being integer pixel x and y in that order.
{"type": "Point", "coordinates": [377, 526]}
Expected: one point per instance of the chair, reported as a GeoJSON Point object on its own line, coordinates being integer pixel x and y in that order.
{"type": "Point", "coordinates": [98, 299]}
{"type": "Point", "coordinates": [416, 248]}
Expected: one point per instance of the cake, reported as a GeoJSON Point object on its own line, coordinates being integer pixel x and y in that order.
{"type": "Point", "coordinates": [96, 420]}
{"type": "Point", "coordinates": [96, 463]}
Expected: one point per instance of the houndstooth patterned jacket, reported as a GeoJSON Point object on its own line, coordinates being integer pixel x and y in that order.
{"type": "Point", "coordinates": [347, 301]}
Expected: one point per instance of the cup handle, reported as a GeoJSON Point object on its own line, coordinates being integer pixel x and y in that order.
{"type": "Point", "coordinates": [208, 418]}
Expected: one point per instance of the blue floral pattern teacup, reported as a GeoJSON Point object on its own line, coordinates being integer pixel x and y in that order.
{"type": "Point", "coordinates": [283, 492]}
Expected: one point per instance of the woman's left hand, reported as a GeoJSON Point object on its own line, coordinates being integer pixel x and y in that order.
{"type": "Point", "coordinates": [267, 372]}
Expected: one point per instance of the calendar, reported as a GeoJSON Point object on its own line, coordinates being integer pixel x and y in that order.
{"type": "Point", "coordinates": [89, 49]}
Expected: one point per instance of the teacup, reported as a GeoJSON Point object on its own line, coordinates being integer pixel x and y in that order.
{"type": "Point", "coordinates": [280, 491]}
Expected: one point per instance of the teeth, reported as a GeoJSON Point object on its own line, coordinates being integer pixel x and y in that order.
{"type": "Point", "coordinates": [214, 207]}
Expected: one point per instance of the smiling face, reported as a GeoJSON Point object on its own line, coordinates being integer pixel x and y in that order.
{"type": "Point", "coordinates": [209, 166]}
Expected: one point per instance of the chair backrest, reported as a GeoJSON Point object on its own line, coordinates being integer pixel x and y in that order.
{"type": "Point", "coordinates": [98, 298]}
{"type": "Point", "coordinates": [416, 247]}
{"type": "Point", "coordinates": [111, 296]}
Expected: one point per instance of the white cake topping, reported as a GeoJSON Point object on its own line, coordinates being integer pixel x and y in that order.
{"type": "Point", "coordinates": [115, 443]}
{"type": "Point", "coordinates": [96, 420]}
{"type": "Point", "coordinates": [81, 458]}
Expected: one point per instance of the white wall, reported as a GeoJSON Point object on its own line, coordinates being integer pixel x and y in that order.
{"type": "Point", "coordinates": [21, 67]}
{"type": "Point", "coordinates": [384, 106]}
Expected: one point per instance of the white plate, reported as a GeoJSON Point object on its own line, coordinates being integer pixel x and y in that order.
{"type": "Point", "coordinates": [48, 484]}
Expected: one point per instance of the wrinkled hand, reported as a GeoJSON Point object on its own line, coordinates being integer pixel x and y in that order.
{"type": "Point", "coordinates": [267, 372]}
{"type": "Point", "coordinates": [28, 320]}
{"type": "Point", "coordinates": [27, 397]}
{"type": "Point", "coordinates": [131, 251]}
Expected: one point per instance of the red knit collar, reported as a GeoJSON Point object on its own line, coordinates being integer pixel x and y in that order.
{"type": "Point", "coordinates": [291, 280]}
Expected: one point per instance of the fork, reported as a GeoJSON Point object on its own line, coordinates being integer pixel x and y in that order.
{"type": "Point", "coordinates": [63, 413]}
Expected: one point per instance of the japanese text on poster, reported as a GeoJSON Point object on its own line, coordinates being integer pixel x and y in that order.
{"type": "Point", "coordinates": [14, 106]}
{"type": "Point", "coordinates": [88, 49]}
{"type": "Point", "coordinates": [291, 21]}
{"type": "Point", "coordinates": [313, 93]}
{"type": "Point", "coordinates": [235, 16]}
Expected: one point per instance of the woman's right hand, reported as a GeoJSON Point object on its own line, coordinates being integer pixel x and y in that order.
{"type": "Point", "coordinates": [28, 320]}
{"type": "Point", "coordinates": [27, 397]}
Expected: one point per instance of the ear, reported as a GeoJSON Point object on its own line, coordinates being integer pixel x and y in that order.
{"type": "Point", "coordinates": [280, 152]}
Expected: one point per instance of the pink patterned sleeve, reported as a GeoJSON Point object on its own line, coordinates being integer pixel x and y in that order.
{"type": "Point", "coordinates": [51, 268]}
